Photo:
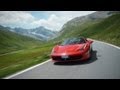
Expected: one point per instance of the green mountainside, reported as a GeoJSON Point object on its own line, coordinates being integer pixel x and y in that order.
{"type": "Point", "coordinates": [10, 41]}
{"type": "Point", "coordinates": [107, 30]}
{"type": "Point", "coordinates": [29, 51]}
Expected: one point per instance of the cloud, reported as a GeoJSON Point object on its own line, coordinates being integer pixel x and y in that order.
{"type": "Point", "coordinates": [15, 18]}
{"type": "Point", "coordinates": [69, 14]}
{"type": "Point", "coordinates": [57, 19]}
{"type": "Point", "coordinates": [53, 22]}
{"type": "Point", "coordinates": [24, 19]}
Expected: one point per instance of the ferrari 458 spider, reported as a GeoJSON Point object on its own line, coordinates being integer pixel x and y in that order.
{"type": "Point", "coordinates": [72, 49]}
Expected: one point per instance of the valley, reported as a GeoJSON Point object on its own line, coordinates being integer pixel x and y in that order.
{"type": "Point", "coordinates": [30, 47]}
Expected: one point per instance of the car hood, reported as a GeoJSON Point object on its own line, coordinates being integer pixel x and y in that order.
{"type": "Point", "coordinates": [68, 48]}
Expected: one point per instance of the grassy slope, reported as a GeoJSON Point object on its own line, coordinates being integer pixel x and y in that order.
{"type": "Point", "coordinates": [10, 41]}
{"type": "Point", "coordinates": [14, 62]}
{"type": "Point", "coordinates": [28, 52]}
{"type": "Point", "coordinates": [107, 30]}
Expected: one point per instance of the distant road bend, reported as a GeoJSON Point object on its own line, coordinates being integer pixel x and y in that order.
{"type": "Point", "coordinates": [104, 64]}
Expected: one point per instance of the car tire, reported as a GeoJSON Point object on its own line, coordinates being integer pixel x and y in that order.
{"type": "Point", "coordinates": [91, 50]}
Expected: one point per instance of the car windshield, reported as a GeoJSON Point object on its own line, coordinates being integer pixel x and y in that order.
{"type": "Point", "coordinates": [73, 41]}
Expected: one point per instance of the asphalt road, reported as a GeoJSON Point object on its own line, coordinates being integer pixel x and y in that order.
{"type": "Point", "coordinates": [104, 64]}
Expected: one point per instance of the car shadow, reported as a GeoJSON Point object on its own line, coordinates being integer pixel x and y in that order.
{"type": "Point", "coordinates": [91, 60]}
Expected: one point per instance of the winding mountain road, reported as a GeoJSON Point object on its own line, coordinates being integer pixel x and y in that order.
{"type": "Point", "coordinates": [104, 64]}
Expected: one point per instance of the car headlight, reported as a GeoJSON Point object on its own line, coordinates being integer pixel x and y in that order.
{"type": "Point", "coordinates": [82, 48]}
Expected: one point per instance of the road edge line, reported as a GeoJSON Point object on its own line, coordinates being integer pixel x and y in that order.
{"type": "Point", "coordinates": [106, 43]}
{"type": "Point", "coordinates": [8, 77]}
{"type": "Point", "coordinates": [20, 72]}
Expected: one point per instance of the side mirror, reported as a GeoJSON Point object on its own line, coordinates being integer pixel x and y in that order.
{"type": "Point", "coordinates": [91, 41]}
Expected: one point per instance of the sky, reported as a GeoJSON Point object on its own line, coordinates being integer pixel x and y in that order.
{"type": "Point", "coordinates": [53, 20]}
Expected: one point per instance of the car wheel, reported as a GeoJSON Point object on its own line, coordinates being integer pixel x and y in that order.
{"type": "Point", "coordinates": [91, 50]}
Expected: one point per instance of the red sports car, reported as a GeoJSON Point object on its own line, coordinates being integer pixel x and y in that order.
{"type": "Point", "coordinates": [72, 49]}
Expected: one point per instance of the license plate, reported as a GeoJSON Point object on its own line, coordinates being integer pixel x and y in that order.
{"type": "Point", "coordinates": [64, 57]}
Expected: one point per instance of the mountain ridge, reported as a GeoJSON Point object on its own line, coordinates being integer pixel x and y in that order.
{"type": "Point", "coordinates": [98, 15]}
{"type": "Point", "coordinates": [40, 32]}
{"type": "Point", "coordinates": [104, 29]}
{"type": "Point", "coordinates": [11, 41]}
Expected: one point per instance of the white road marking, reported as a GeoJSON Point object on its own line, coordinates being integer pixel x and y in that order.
{"type": "Point", "coordinates": [49, 60]}
{"type": "Point", "coordinates": [8, 77]}
{"type": "Point", "coordinates": [109, 44]}
{"type": "Point", "coordinates": [106, 43]}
